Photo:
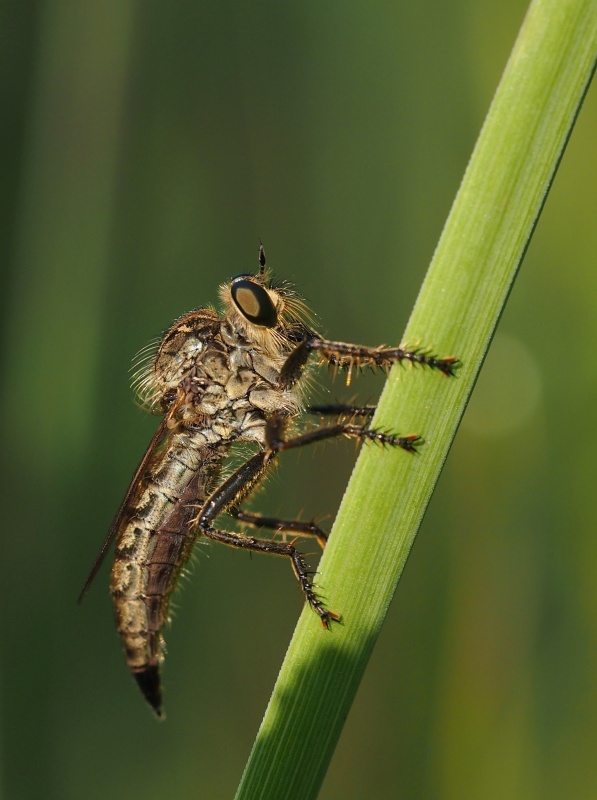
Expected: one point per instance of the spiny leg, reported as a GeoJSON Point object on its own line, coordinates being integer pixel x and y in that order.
{"type": "Point", "coordinates": [227, 497]}
{"type": "Point", "coordinates": [276, 441]}
{"type": "Point", "coordinates": [299, 566]}
{"type": "Point", "coordinates": [347, 356]}
{"type": "Point", "coordinates": [236, 487]}
{"type": "Point", "coordinates": [341, 409]}
{"type": "Point", "coordinates": [342, 353]}
{"type": "Point", "coordinates": [295, 526]}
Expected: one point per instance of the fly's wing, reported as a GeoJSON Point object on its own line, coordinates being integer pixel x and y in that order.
{"type": "Point", "coordinates": [153, 445]}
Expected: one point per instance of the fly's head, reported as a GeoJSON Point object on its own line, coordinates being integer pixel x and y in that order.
{"type": "Point", "coordinates": [267, 314]}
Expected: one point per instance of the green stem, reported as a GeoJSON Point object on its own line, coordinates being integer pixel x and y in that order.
{"type": "Point", "coordinates": [458, 308]}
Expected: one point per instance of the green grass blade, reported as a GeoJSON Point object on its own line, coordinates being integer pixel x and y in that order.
{"type": "Point", "coordinates": [458, 308]}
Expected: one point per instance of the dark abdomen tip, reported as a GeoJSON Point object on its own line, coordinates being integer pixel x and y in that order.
{"type": "Point", "coordinates": [149, 682]}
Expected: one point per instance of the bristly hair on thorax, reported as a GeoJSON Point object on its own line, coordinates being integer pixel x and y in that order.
{"type": "Point", "coordinates": [294, 319]}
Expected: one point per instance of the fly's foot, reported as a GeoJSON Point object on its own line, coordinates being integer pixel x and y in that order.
{"type": "Point", "coordinates": [303, 577]}
{"type": "Point", "coordinates": [409, 443]}
{"type": "Point", "coordinates": [419, 355]}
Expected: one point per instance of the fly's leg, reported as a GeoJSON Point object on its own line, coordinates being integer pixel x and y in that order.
{"type": "Point", "coordinates": [235, 488]}
{"type": "Point", "coordinates": [284, 525]}
{"type": "Point", "coordinates": [240, 484]}
{"type": "Point", "coordinates": [298, 526]}
{"type": "Point", "coordinates": [232, 492]}
{"type": "Point", "coordinates": [300, 568]}
{"type": "Point", "coordinates": [341, 409]}
{"type": "Point", "coordinates": [346, 356]}
{"type": "Point", "coordinates": [276, 442]}
{"type": "Point", "coordinates": [275, 436]}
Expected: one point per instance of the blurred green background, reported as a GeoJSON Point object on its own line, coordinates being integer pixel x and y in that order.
{"type": "Point", "coordinates": [146, 147]}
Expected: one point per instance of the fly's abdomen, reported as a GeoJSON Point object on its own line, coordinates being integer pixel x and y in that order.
{"type": "Point", "coordinates": [153, 545]}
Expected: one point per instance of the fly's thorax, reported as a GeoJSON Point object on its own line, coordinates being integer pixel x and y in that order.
{"type": "Point", "coordinates": [212, 369]}
{"type": "Point", "coordinates": [160, 371]}
{"type": "Point", "coordinates": [184, 345]}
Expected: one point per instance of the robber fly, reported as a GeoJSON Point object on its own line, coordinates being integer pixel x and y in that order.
{"type": "Point", "coordinates": [218, 379]}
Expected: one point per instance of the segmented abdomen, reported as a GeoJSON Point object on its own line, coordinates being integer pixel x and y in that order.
{"type": "Point", "coordinates": [153, 544]}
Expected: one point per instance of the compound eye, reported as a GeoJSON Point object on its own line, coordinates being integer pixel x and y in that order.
{"type": "Point", "coordinates": [254, 303]}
